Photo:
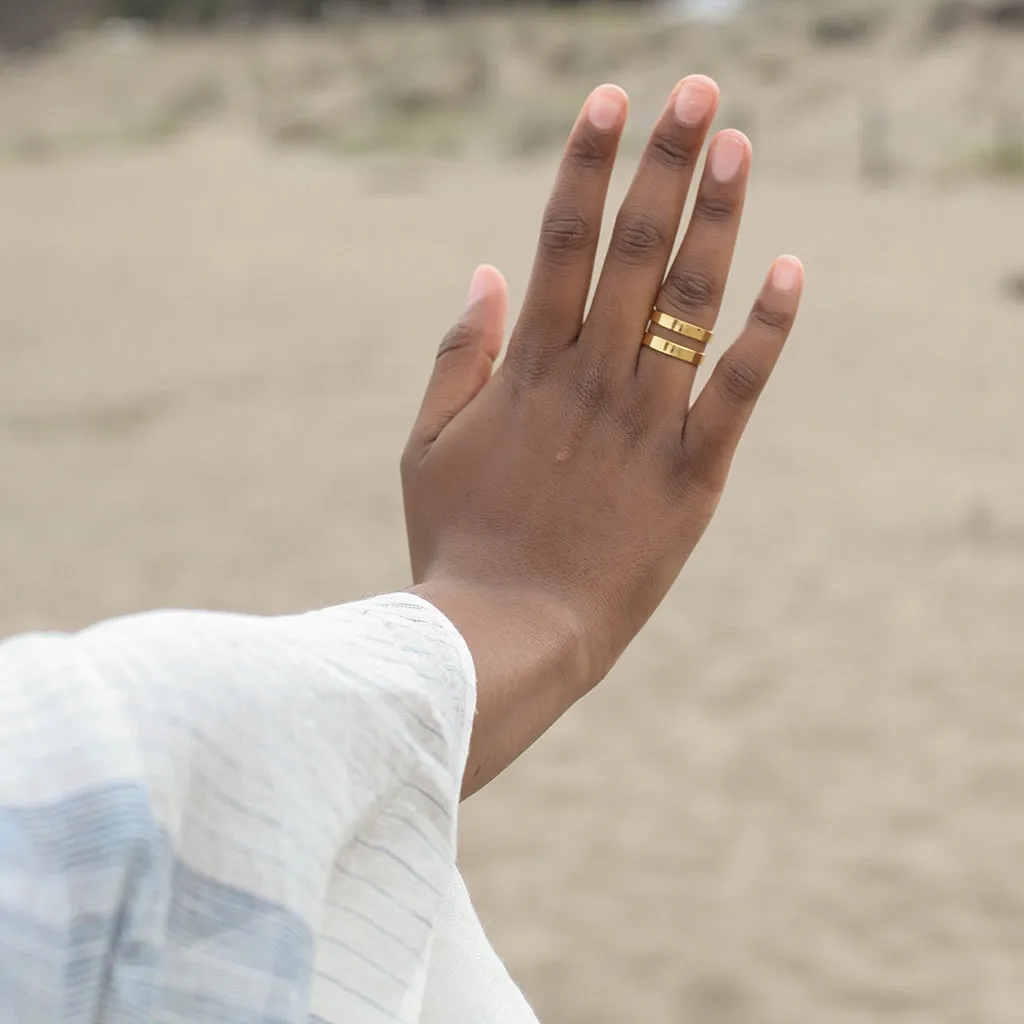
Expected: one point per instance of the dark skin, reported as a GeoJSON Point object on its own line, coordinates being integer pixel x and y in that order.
{"type": "Point", "coordinates": [551, 504]}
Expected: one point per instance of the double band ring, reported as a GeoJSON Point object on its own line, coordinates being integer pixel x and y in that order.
{"type": "Point", "coordinates": [670, 348]}
{"type": "Point", "coordinates": [680, 328]}
{"type": "Point", "coordinates": [676, 326]}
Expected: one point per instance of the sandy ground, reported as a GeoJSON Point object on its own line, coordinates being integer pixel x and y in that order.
{"type": "Point", "coordinates": [800, 797]}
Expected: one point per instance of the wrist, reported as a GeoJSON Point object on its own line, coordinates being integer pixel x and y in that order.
{"type": "Point", "coordinates": [533, 660]}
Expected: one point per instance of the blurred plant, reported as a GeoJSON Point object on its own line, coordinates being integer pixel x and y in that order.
{"type": "Point", "coordinates": [877, 164]}
{"type": "Point", "coordinates": [538, 130]}
{"type": "Point", "coordinates": [845, 28]}
{"type": "Point", "coordinates": [437, 134]}
{"type": "Point", "coordinates": [949, 16]}
{"type": "Point", "coordinates": [1005, 158]}
{"type": "Point", "coordinates": [167, 120]}
{"type": "Point", "coordinates": [201, 12]}
{"type": "Point", "coordinates": [181, 111]}
{"type": "Point", "coordinates": [1006, 13]}
{"type": "Point", "coordinates": [741, 117]}
{"type": "Point", "coordinates": [27, 24]}
{"type": "Point", "coordinates": [1002, 159]}
{"type": "Point", "coordinates": [1013, 286]}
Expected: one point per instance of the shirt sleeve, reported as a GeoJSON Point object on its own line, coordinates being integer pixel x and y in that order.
{"type": "Point", "coordinates": [467, 982]}
{"type": "Point", "coordinates": [222, 818]}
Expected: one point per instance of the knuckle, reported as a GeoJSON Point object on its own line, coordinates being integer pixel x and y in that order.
{"type": "Point", "coordinates": [565, 234]}
{"type": "Point", "coordinates": [639, 240]}
{"type": "Point", "coordinates": [588, 152]}
{"type": "Point", "coordinates": [459, 338]}
{"type": "Point", "coordinates": [634, 421]}
{"type": "Point", "coordinates": [410, 460]}
{"type": "Point", "coordinates": [592, 386]}
{"type": "Point", "coordinates": [701, 477]}
{"type": "Point", "coordinates": [668, 448]}
{"type": "Point", "coordinates": [714, 209]}
{"type": "Point", "coordinates": [522, 369]}
{"type": "Point", "coordinates": [740, 380]}
{"type": "Point", "coordinates": [775, 321]}
{"type": "Point", "coordinates": [690, 289]}
{"type": "Point", "coordinates": [671, 151]}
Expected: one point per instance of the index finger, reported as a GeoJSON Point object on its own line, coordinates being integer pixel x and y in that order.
{"type": "Point", "coordinates": [556, 298]}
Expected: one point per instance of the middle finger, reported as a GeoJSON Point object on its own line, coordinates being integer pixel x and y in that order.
{"type": "Point", "coordinates": [648, 221]}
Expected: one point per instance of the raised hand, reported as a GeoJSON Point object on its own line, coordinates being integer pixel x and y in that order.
{"type": "Point", "coordinates": [551, 505]}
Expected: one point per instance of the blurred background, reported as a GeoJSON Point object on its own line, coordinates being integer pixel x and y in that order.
{"type": "Point", "coordinates": [232, 233]}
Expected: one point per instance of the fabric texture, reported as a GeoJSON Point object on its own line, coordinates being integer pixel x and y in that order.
{"type": "Point", "coordinates": [229, 819]}
{"type": "Point", "coordinates": [467, 982]}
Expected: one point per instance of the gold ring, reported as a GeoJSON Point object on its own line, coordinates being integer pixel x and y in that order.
{"type": "Point", "coordinates": [670, 348]}
{"type": "Point", "coordinates": [670, 323]}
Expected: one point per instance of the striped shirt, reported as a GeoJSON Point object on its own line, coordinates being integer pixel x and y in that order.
{"type": "Point", "coordinates": [239, 820]}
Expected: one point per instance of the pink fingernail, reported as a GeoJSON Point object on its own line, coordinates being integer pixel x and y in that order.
{"type": "Point", "coordinates": [606, 107]}
{"type": "Point", "coordinates": [478, 285]}
{"type": "Point", "coordinates": [727, 155]}
{"type": "Point", "coordinates": [787, 274]}
{"type": "Point", "coordinates": [694, 100]}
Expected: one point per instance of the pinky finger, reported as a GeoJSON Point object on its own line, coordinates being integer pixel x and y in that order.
{"type": "Point", "coordinates": [720, 415]}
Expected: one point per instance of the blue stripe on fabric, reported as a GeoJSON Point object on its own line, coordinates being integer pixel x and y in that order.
{"type": "Point", "coordinates": [430, 799]}
{"type": "Point", "coordinates": [372, 1003]}
{"type": "Point", "coordinates": [343, 908]}
{"type": "Point", "coordinates": [102, 898]}
{"type": "Point", "coordinates": [192, 1008]}
{"type": "Point", "coordinates": [87, 830]}
{"type": "Point", "coordinates": [391, 855]}
{"type": "Point", "coordinates": [415, 829]}
{"type": "Point", "coordinates": [348, 873]}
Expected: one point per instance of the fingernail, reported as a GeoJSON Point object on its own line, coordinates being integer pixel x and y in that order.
{"type": "Point", "coordinates": [727, 156]}
{"type": "Point", "coordinates": [694, 100]}
{"type": "Point", "coordinates": [787, 274]}
{"type": "Point", "coordinates": [606, 107]}
{"type": "Point", "coordinates": [478, 285]}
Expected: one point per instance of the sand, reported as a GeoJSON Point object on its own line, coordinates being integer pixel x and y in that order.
{"type": "Point", "coordinates": [800, 796]}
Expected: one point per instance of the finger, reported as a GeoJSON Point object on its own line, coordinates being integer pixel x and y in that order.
{"type": "Point", "coordinates": [648, 221]}
{"type": "Point", "coordinates": [719, 416]}
{"type": "Point", "coordinates": [556, 297]}
{"type": "Point", "coordinates": [695, 285]}
{"type": "Point", "coordinates": [465, 358]}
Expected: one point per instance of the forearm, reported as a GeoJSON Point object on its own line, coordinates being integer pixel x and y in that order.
{"type": "Point", "coordinates": [530, 668]}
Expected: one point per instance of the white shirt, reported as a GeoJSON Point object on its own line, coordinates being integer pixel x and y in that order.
{"type": "Point", "coordinates": [228, 819]}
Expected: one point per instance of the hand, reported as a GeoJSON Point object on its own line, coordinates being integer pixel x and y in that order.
{"type": "Point", "coordinates": [551, 506]}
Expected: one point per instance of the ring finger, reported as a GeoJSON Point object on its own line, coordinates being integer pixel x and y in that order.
{"type": "Point", "coordinates": [695, 285]}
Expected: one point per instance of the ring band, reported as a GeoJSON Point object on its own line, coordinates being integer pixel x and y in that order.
{"type": "Point", "coordinates": [670, 348]}
{"type": "Point", "coordinates": [687, 330]}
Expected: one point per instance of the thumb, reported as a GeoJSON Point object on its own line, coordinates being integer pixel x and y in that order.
{"type": "Point", "coordinates": [466, 356]}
